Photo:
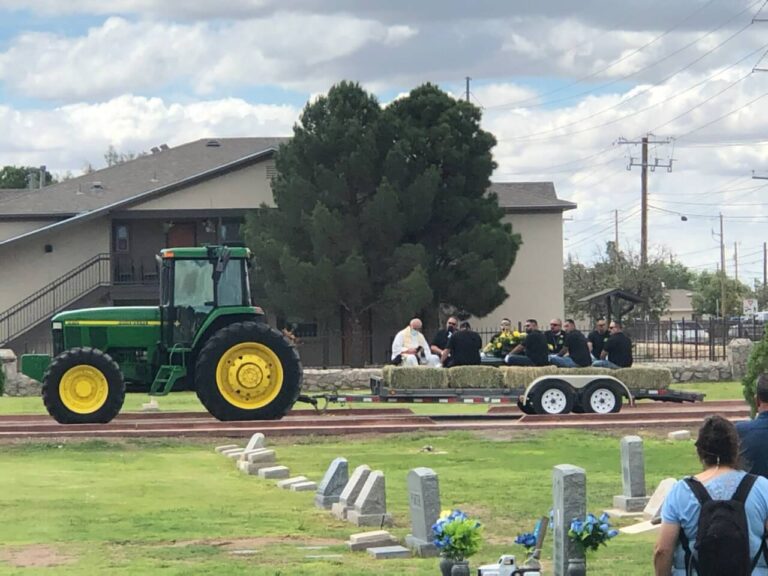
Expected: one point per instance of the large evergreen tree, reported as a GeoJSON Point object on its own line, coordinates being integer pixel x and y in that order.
{"type": "Point", "coordinates": [382, 210]}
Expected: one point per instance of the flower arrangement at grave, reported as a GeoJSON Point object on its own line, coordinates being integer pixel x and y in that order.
{"type": "Point", "coordinates": [502, 343]}
{"type": "Point", "coordinates": [456, 535]}
{"type": "Point", "coordinates": [526, 539]}
{"type": "Point", "coordinates": [591, 532]}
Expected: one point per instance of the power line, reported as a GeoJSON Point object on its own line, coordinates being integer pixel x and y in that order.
{"type": "Point", "coordinates": [609, 66]}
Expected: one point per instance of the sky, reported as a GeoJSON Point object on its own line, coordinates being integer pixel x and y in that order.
{"type": "Point", "coordinates": [566, 87]}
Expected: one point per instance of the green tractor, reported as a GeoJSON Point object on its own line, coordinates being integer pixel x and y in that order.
{"type": "Point", "coordinates": [205, 332]}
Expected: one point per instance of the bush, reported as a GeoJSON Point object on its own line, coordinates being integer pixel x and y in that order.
{"type": "Point", "coordinates": [756, 365]}
{"type": "Point", "coordinates": [412, 377]}
{"type": "Point", "coordinates": [2, 380]}
{"type": "Point", "coordinates": [475, 377]}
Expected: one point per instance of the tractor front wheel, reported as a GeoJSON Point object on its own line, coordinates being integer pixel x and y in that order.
{"type": "Point", "coordinates": [83, 386]}
{"type": "Point", "coordinates": [248, 371]}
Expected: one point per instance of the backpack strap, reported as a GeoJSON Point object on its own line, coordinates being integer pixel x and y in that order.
{"type": "Point", "coordinates": [702, 496]}
{"type": "Point", "coordinates": [744, 487]}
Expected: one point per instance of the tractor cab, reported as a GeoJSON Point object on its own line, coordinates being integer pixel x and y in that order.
{"type": "Point", "coordinates": [196, 281]}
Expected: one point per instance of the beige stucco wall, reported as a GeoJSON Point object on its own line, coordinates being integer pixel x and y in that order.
{"type": "Point", "coordinates": [535, 284]}
{"type": "Point", "coordinates": [245, 188]}
{"type": "Point", "coordinates": [26, 267]}
{"type": "Point", "coordinates": [12, 228]}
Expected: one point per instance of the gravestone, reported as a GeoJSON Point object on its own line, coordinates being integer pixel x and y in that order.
{"type": "Point", "coordinates": [424, 503]}
{"type": "Point", "coordinates": [569, 499]}
{"type": "Point", "coordinates": [633, 498]}
{"type": "Point", "coordinates": [653, 508]}
{"type": "Point", "coordinates": [371, 505]}
{"type": "Point", "coordinates": [375, 539]}
{"type": "Point", "coordinates": [336, 477]}
{"type": "Point", "coordinates": [350, 492]}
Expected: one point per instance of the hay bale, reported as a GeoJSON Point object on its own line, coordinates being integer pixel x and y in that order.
{"type": "Point", "coordinates": [414, 377]}
{"type": "Point", "coordinates": [644, 377]}
{"type": "Point", "coordinates": [521, 376]}
{"type": "Point", "coordinates": [474, 377]}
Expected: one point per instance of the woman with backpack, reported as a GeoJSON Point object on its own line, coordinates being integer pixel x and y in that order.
{"type": "Point", "coordinates": [714, 523]}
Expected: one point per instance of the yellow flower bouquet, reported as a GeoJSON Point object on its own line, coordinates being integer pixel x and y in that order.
{"type": "Point", "coordinates": [501, 344]}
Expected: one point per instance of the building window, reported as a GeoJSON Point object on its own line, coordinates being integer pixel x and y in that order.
{"type": "Point", "coordinates": [122, 238]}
{"type": "Point", "coordinates": [230, 231]}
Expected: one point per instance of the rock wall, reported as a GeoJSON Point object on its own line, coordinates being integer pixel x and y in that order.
{"type": "Point", "coordinates": [338, 379]}
{"type": "Point", "coordinates": [16, 384]}
{"type": "Point", "coordinates": [696, 370]}
{"type": "Point", "coordinates": [737, 354]}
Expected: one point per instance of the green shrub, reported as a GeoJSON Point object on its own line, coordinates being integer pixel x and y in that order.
{"type": "Point", "coordinates": [756, 365]}
{"type": "Point", "coordinates": [2, 381]}
{"type": "Point", "coordinates": [475, 377]}
{"type": "Point", "coordinates": [411, 377]}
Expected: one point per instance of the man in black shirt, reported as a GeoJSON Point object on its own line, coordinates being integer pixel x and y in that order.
{"type": "Point", "coordinates": [441, 339]}
{"type": "Point", "coordinates": [617, 352]}
{"type": "Point", "coordinates": [463, 348]}
{"type": "Point", "coordinates": [534, 347]}
{"type": "Point", "coordinates": [596, 339]}
{"type": "Point", "coordinates": [555, 336]}
{"type": "Point", "coordinates": [575, 352]}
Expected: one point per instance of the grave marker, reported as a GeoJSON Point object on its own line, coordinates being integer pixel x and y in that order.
{"type": "Point", "coordinates": [424, 503]}
{"type": "Point", "coordinates": [336, 477]}
{"type": "Point", "coordinates": [633, 498]}
{"type": "Point", "coordinates": [350, 492]}
{"type": "Point", "coordinates": [371, 505]}
{"type": "Point", "coordinates": [569, 499]}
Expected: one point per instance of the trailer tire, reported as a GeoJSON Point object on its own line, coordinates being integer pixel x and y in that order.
{"type": "Point", "coordinates": [601, 397]}
{"type": "Point", "coordinates": [552, 396]}
{"type": "Point", "coordinates": [83, 386]}
{"type": "Point", "coordinates": [248, 371]}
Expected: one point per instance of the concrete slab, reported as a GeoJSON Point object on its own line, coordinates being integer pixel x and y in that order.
{"type": "Point", "coordinates": [274, 472]}
{"type": "Point", "coordinates": [308, 486]}
{"type": "Point", "coordinates": [286, 484]}
{"type": "Point", "coordinates": [387, 552]}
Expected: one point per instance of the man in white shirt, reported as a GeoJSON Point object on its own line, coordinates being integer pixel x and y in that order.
{"type": "Point", "coordinates": [410, 348]}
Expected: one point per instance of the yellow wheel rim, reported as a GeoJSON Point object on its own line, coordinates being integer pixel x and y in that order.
{"type": "Point", "coordinates": [83, 389]}
{"type": "Point", "coordinates": [249, 375]}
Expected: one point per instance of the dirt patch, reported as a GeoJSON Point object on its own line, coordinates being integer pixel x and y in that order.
{"type": "Point", "coordinates": [34, 557]}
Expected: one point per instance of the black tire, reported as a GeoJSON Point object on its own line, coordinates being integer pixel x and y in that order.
{"type": "Point", "coordinates": [264, 386]}
{"type": "Point", "coordinates": [552, 397]}
{"type": "Point", "coordinates": [601, 397]}
{"type": "Point", "coordinates": [93, 394]}
{"type": "Point", "coordinates": [526, 408]}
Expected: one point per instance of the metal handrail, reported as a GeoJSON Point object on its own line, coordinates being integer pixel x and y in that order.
{"type": "Point", "coordinates": [55, 296]}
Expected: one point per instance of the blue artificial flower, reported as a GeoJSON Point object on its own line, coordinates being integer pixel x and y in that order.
{"type": "Point", "coordinates": [591, 519]}
{"type": "Point", "coordinates": [613, 533]}
{"type": "Point", "coordinates": [604, 517]}
{"type": "Point", "coordinates": [577, 526]}
{"type": "Point", "coordinates": [604, 528]}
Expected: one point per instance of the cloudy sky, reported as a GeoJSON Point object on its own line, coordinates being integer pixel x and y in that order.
{"type": "Point", "coordinates": [560, 83]}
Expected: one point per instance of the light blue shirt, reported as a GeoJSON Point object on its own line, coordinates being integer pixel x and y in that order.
{"type": "Point", "coordinates": [681, 507]}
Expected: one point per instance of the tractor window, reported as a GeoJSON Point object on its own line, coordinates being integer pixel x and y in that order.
{"type": "Point", "coordinates": [231, 285]}
{"type": "Point", "coordinates": [193, 283]}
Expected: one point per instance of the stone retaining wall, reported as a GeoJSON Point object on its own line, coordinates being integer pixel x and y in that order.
{"type": "Point", "coordinates": [16, 384]}
{"type": "Point", "coordinates": [695, 370]}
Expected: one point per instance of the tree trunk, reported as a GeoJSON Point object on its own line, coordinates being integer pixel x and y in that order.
{"type": "Point", "coordinates": [356, 337]}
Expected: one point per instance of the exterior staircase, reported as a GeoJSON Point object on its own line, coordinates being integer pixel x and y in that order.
{"type": "Point", "coordinates": [38, 307]}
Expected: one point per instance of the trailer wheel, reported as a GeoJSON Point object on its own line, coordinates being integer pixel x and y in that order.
{"type": "Point", "coordinates": [553, 397]}
{"type": "Point", "coordinates": [248, 371]}
{"type": "Point", "coordinates": [601, 397]}
{"type": "Point", "coordinates": [83, 386]}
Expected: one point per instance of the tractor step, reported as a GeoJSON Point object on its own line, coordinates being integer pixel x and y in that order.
{"type": "Point", "coordinates": [165, 378]}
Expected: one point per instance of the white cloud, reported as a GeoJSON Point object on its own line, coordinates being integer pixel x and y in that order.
{"type": "Point", "coordinates": [65, 138]}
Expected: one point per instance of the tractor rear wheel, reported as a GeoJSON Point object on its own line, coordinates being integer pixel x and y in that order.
{"type": "Point", "coordinates": [248, 371]}
{"type": "Point", "coordinates": [83, 386]}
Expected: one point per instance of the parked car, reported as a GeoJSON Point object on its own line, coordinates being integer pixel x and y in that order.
{"type": "Point", "coordinates": [691, 332]}
{"type": "Point", "coordinates": [747, 328]}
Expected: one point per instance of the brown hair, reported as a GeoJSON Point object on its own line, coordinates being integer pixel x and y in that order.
{"type": "Point", "coordinates": [718, 442]}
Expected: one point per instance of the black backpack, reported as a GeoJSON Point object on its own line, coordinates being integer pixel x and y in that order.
{"type": "Point", "coordinates": [722, 538]}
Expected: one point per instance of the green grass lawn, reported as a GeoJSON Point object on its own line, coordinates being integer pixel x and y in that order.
{"type": "Point", "coordinates": [176, 507]}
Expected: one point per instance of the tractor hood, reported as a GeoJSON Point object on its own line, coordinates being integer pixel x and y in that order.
{"type": "Point", "coordinates": [115, 316]}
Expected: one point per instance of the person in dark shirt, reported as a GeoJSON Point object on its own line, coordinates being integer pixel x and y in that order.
{"type": "Point", "coordinates": [617, 352]}
{"type": "Point", "coordinates": [441, 339]}
{"type": "Point", "coordinates": [596, 339]}
{"type": "Point", "coordinates": [575, 352]}
{"type": "Point", "coordinates": [532, 351]}
{"type": "Point", "coordinates": [753, 434]}
{"type": "Point", "coordinates": [463, 348]}
{"type": "Point", "coordinates": [555, 336]}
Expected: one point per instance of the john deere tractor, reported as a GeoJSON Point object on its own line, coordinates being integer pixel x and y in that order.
{"type": "Point", "coordinates": [205, 332]}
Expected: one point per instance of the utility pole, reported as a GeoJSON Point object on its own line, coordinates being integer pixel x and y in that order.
{"type": "Point", "coordinates": [616, 231]}
{"type": "Point", "coordinates": [722, 269]}
{"type": "Point", "coordinates": [467, 93]}
{"type": "Point", "coordinates": [736, 261]}
{"type": "Point", "coordinates": [644, 166]}
{"type": "Point", "coordinates": [765, 265]}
